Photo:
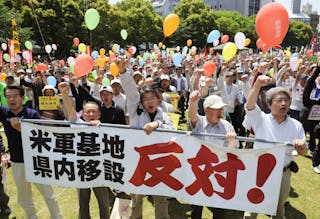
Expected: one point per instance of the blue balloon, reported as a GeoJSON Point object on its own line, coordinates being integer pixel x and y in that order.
{"type": "Point", "coordinates": [131, 60]}
{"type": "Point", "coordinates": [177, 59]}
{"type": "Point", "coordinates": [221, 58]}
{"type": "Point", "coordinates": [141, 61]}
{"type": "Point", "coordinates": [52, 81]}
{"type": "Point", "coordinates": [213, 35]}
{"type": "Point", "coordinates": [295, 55]}
{"type": "Point", "coordinates": [95, 54]}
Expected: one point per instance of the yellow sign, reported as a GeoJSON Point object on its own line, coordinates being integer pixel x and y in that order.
{"type": "Point", "coordinates": [174, 119]}
{"type": "Point", "coordinates": [174, 99]}
{"type": "Point", "coordinates": [49, 103]}
{"type": "Point", "coordinates": [16, 44]}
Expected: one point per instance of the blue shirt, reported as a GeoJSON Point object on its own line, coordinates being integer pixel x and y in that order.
{"type": "Point", "coordinates": [14, 136]}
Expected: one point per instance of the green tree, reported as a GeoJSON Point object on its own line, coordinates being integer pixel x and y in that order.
{"type": "Point", "coordinates": [196, 22]}
{"type": "Point", "coordinates": [299, 34]}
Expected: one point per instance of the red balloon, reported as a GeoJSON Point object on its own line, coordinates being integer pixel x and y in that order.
{"type": "Point", "coordinates": [76, 41]}
{"type": "Point", "coordinates": [309, 52]}
{"type": "Point", "coordinates": [224, 38]}
{"type": "Point", "coordinates": [264, 47]}
{"type": "Point", "coordinates": [272, 23]}
{"type": "Point", "coordinates": [83, 65]}
{"type": "Point", "coordinates": [41, 67]}
{"type": "Point", "coordinates": [209, 68]}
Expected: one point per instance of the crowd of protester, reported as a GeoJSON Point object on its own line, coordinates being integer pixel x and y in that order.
{"type": "Point", "coordinates": [140, 96]}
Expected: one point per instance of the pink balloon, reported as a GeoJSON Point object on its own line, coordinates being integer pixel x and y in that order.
{"type": "Point", "coordinates": [209, 68]}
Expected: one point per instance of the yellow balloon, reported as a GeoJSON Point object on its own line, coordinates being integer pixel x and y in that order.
{"type": "Point", "coordinates": [3, 77]}
{"type": "Point", "coordinates": [102, 51]}
{"type": "Point", "coordinates": [193, 52]}
{"type": "Point", "coordinates": [160, 44]}
{"type": "Point", "coordinates": [248, 41]}
{"type": "Point", "coordinates": [170, 24]}
{"type": "Point", "coordinates": [101, 61]}
{"type": "Point", "coordinates": [189, 42]}
{"type": "Point", "coordinates": [229, 51]}
{"type": "Point", "coordinates": [114, 69]}
{"type": "Point", "coordinates": [82, 47]}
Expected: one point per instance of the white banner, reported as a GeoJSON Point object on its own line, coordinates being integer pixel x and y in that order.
{"type": "Point", "coordinates": [169, 164]}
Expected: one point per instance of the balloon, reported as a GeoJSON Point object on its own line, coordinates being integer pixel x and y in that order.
{"type": "Point", "coordinates": [272, 23]}
{"type": "Point", "coordinates": [101, 61]}
{"type": "Point", "coordinates": [177, 59]}
{"type": "Point", "coordinates": [83, 65]}
{"type": "Point", "coordinates": [215, 43]}
{"type": "Point", "coordinates": [71, 60]}
{"type": "Point", "coordinates": [62, 63]}
{"type": "Point", "coordinates": [3, 77]}
{"type": "Point", "coordinates": [6, 57]}
{"type": "Point", "coordinates": [160, 44]}
{"type": "Point", "coordinates": [4, 46]}
{"type": "Point", "coordinates": [28, 45]}
{"type": "Point", "coordinates": [189, 42]}
{"type": "Point", "coordinates": [102, 51]}
{"type": "Point", "coordinates": [41, 67]}
{"type": "Point", "coordinates": [114, 69]}
{"type": "Point", "coordinates": [295, 55]}
{"type": "Point", "coordinates": [92, 18]}
{"type": "Point", "coordinates": [170, 24]}
{"type": "Point", "coordinates": [240, 40]}
{"type": "Point", "coordinates": [264, 47]}
{"type": "Point", "coordinates": [309, 52]}
{"type": "Point", "coordinates": [115, 48]}
{"type": "Point", "coordinates": [141, 61]}
{"type": "Point", "coordinates": [163, 46]}
{"type": "Point", "coordinates": [213, 35]}
{"type": "Point", "coordinates": [224, 38]}
{"type": "Point", "coordinates": [134, 49]}
{"type": "Point", "coordinates": [76, 41]}
{"type": "Point", "coordinates": [229, 51]}
{"type": "Point", "coordinates": [82, 47]}
{"type": "Point", "coordinates": [209, 68]}
{"type": "Point", "coordinates": [72, 67]}
{"type": "Point", "coordinates": [95, 54]}
{"type": "Point", "coordinates": [248, 41]}
{"type": "Point", "coordinates": [123, 34]}
{"type": "Point", "coordinates": [105, 81]}
{"type": "Point", "coordinates": [193, 52]}
{"type": "Point", "coordinates": [52, 81]}
{"type": "Point", "coordinates": [48, 48]}
{"type": "Point", "coordinates": [54, 47]}
{"type": "Point", "coordinates": [178, 48]}
{"type": "Point", "coordinates": [25, 55]}
{"type": "Point", "coordinates": [294, 63]}
{"type": "Point", "coordinates": [94, 74]}
{"type": "Point", "coordinates": [259, 43]}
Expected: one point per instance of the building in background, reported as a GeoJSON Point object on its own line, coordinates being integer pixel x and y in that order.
{"type": "Point", "coordinates": [296, 14]}
{"type": "Point", "coordinates": [245, 7]}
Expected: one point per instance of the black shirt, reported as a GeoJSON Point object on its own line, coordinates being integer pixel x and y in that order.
{"type": "Point", "coordinates": [113, 115]}
{"type": "Point", "coordinates": [14, 136]}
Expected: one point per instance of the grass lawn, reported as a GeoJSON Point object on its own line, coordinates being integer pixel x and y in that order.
{"type": "Point", "coordinates": [303, 201]}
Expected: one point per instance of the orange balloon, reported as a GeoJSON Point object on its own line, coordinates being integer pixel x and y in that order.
{"type": "Point", "coordinates": [209, 68]}
{"type": "Point", "coordinates": [170, 24]}
{"type": "Point", "coordinates": [3, 77]}
{"type": "Point", "coordinates": [309, 52]}
{"type": "Point", "coordinates": [101, 61]}
{"type": "Point", "coordinates": [189, 42]}
{"type": "Point", "coordinates": [264, 47]}
{"type": "Point", "coordinates": [114, 69]}
{"type": "Point", "coordinates": [224, 38]}
{"type": "Point", "coordinates": [248, 41]}
{"type": "Point", "coordinates": [102, 51]}
{"type": "Point", "coordinates": [160, 44]}
{"type": "Point", "coordinates": [193, 52]}
{"type": "Point", "coordinates": [272, 23]}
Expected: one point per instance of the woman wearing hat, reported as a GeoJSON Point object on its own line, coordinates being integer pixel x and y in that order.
{"type": "Point", "coordinates": [57, 114]}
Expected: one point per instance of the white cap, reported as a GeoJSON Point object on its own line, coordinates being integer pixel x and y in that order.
{"type": "Point", "coordinates": [164, 77]}
{"type": "Point", "coordinates": [115, 80]}
{"type": "Point", "coordinates": [49, 87]}
{"type": "Point", "coordinates": [105, 88]}
{"type": "Point", "coordinates": [214, 102]}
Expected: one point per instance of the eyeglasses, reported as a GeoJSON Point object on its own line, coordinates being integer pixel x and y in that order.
{"type": "Point", "coordinates": [229, 76]}
{"type": "Point", "coordinates": [280, 100]}
{"type": "Point", "coordinates": [146, 99]}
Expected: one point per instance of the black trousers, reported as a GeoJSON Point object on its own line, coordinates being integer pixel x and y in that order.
{"type": "Point", "coordinates": [4, 198]}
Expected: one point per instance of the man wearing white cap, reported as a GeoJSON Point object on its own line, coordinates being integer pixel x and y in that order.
{"type": "Point", "coordinates": [119, 98]}
{"type": "Point", "coordinates": [211, 122]}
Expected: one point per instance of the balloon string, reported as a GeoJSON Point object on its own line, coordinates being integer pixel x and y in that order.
{"type": "Point", "coordinates": [38, 25]}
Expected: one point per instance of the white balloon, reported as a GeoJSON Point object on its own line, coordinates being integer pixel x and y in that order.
{"type": "Point", "coordinates": [294, 63]}
{"type": "Point", "coordinates": [54, 47]}
{"type": "Point", "coordinates": [17, 58]}
{"type": "Point", "coordinates": [71, 60]}
{"type": "Point", "coordinates": [26, 55]}
{"type": "Point", "coordinates": [4, 46]}
{"type": "Point", "coordinates": [134, 49]}
{"type": "Point", "coordinates": [193, 48]}
{"type": "Point", "coordinates": [178, 48]}
{"type": "Point", "coordinates": [240, 40]}
{"type": "Point", "coordinates": [48, 48]}
{"type": "Point", "coordinates": [216, 42]}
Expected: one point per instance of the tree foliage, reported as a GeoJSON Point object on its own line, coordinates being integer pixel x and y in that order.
{"type": "Point", "coordinates": [61, 21]}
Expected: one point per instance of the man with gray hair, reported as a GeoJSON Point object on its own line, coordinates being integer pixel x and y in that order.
{"type": "Point", "coordinates": [275, 126]}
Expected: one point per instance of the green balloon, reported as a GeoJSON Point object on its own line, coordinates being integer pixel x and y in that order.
{"type": "Point", "coordinates": [28, 45]}
{"type": "Point", "coordinates": [94, 74]}
{"type": "Point", "coordinates": [92, 18]}
{"type": "Point", "coordinates": [124, 34]}
{"type": "Point", "coordinates": [6, 57]}
{"type": "Point", "coordinates": [106, 82]}
{"type": "Point", "coordinates": [72, 68]}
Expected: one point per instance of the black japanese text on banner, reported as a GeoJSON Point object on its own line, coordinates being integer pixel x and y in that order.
{"type": "Point", "coordinates": [174, 165]}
